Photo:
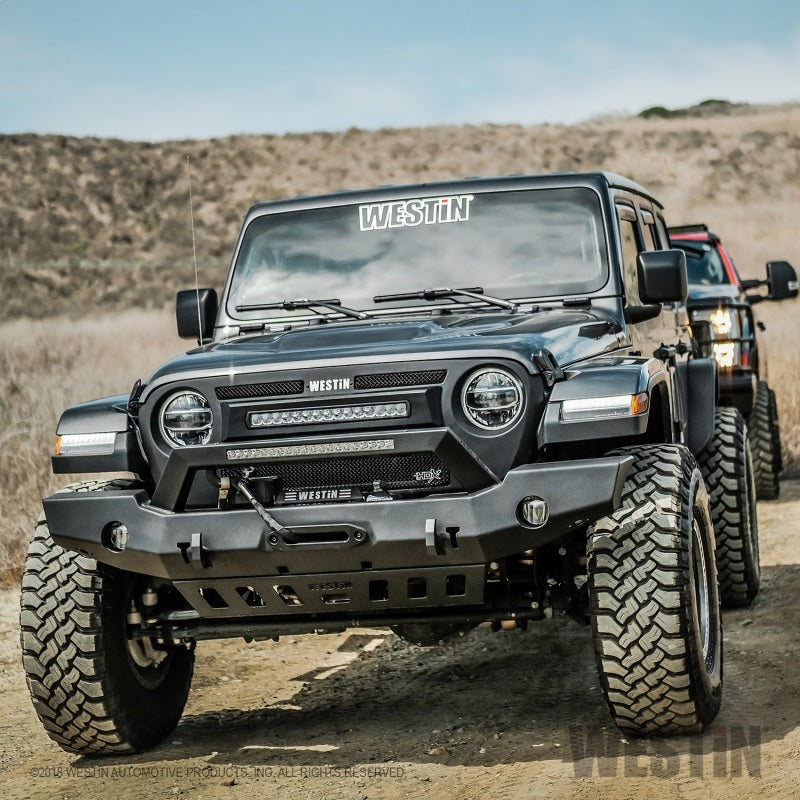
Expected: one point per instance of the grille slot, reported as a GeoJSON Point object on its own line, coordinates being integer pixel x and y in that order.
{"type": "Point", "coordinates": [258, 390]}
{"type": "Point", "coordinates": [391, 380]}
{"type": "Point", "coordinates": [394, 472]}
{"type": "Point", "coordinates": [382, 380]}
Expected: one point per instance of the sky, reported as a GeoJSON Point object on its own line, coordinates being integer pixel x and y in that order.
{"type": "Point", "coordinates": [177, 69]}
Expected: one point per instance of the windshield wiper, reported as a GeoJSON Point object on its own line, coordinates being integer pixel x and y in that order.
{"type": "Point", "coordinates": [475, 292]}
{"type": "Point", "coordinates": [334, 304]}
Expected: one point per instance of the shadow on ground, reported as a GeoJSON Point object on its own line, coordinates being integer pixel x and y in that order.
{"type": "Point", "coordinates": [494, 698]}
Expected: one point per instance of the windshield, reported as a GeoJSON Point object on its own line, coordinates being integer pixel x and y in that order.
{"type": "Point", "coordinates": [534, 243]}
{"type": "Point", "coordinates": [703, 264]}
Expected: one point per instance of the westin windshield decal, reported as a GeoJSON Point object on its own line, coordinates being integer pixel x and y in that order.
{"type": "Point", "coordinates": [408, 213]}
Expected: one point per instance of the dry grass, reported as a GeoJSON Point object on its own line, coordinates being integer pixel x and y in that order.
{"type": "Point", "coordinates": [78, 215]}
{"type": "Point", "coordinates": [44, 367]}
{"type": "Point", "coordinates": [47, 365]}
{"type": "Point", "coordinates": [88, 225]}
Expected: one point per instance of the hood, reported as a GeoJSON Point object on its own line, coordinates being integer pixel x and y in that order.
{"type": "Point", "coordinates": [569, 334]}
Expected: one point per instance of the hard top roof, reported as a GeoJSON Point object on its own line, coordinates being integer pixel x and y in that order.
{"type": "Point", "coordinates": [599, 180]}
{"type": "Point", "coordinates": [698, 232]}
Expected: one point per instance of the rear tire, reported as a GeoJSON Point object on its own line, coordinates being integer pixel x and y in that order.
{"type": "Point", "coordinates": [93, 690]}
{"type": "Point", "coordinates": [765, 442]}
{"type": "Point", "coordinates": [654, 598]}
{"type": "Point", "coordinates": [727, 469]}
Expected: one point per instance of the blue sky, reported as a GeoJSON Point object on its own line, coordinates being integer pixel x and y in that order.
{"type": "Point", "coordinates": [176, 69]}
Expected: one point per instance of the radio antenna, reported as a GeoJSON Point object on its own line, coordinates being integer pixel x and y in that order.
{"type": "Point", "coordinates": [194, 250]}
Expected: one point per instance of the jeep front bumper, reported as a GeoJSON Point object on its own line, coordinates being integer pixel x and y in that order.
{"type": "Point", "coordinates": [342, 553]}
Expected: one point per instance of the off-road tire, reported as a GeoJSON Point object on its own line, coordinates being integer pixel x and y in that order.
{"type": "Point", "coordinates": [654, 599]}
{"type": "Point", "coordinates": [765, 441]}
{"type": "Point", "coordinates": [727, 468]}
{"type": "Point", "coordinates": [90, 696]}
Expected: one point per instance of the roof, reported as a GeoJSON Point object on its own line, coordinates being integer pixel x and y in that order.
{"type": "Point", "coordinates": [693, 233]}
{"type": "Point", "coordinates": [599, 180]}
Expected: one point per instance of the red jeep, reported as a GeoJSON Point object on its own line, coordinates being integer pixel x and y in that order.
{"type": "Point", "coordinates": [722, 320]}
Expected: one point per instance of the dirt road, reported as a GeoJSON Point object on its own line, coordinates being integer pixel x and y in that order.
{"type": "Point", "coordinates": [511, 715]}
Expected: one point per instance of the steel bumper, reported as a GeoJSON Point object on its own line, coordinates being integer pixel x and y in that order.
{"type": "Point", "coordinates": [327, 539]}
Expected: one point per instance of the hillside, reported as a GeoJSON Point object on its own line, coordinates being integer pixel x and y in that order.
{"type": "Point", "coordinates": [95, 238]}
{"type": "Point", "coordinates": [84, 220]}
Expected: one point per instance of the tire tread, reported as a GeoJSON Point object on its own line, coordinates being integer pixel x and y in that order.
{"type": "Point", "coordinates": [638, 589]}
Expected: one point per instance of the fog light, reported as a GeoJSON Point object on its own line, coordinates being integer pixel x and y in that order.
{"type": "Point", "coordinates": [533, 512]}
{"type": "Point", "coordinates": [115, 537]}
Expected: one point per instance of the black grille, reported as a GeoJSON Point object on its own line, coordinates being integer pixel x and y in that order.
{"type": "Point", "coordinates": [259, 390]}
{"type": "Point", "coordinates": [406, 471]}
{"type": "Point", "coordinates": [389, 380]}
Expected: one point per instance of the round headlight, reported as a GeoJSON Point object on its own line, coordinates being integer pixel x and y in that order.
{"type": "Point", "coordinates": [492, 398]}
{"type": "Point", "coordinates": [186, 419]}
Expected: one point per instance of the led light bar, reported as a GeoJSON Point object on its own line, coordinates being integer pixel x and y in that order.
{"type": "Point", "coordinates": [85, 444]}
{"type": "Point", "coordinates": [325, 449]}
{"type": "Point", "coordinates": [619, 405]}
{"type": "Point", "coordinates": [311, 416]}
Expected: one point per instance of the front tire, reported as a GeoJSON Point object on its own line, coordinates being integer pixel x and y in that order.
{"type": "Point", "coordinates": [94, 690]}
{"type": "Point", "coordinates": [654, 598]}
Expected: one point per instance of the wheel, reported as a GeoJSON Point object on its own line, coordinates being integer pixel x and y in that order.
{"type": "Point", "coordinates": [727, 469]}
{"type": "Point", "coordinates": [776, 432]}
{"type": "Point", "coordinates": [654, 600]}
{"type": "Point", "coordinates": [94, 690]}
{"type": "Point", "coordinates": [765, 441]}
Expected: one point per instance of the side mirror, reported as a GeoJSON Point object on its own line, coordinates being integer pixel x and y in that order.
{"type": "Point", "coordinates": [196, 312]}
{"type": "Point", "coordinates": [662, 276]}
{"type": "Point", "coordinates": [781, 280]}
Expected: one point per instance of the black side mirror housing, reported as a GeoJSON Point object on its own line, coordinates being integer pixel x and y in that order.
{"type": "Point", "coordinates": [196, 312]}
{"type": "Point", "coordinates": [781, 280]}
{"type": "Point", "coordinates": [751, 283]}
{"type": "Point", "coordinates": [662, 276]}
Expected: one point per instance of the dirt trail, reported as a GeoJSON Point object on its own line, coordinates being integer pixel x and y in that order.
{"type": "Point", "coordinates": [512, 715]}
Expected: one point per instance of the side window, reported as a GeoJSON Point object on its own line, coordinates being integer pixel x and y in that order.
{"type": "Point", "coordinates": [630, 250]}
{"type": "Point", "coordinates": [663, 235]}
{"type": "Point", "coordinates": [649, 230]}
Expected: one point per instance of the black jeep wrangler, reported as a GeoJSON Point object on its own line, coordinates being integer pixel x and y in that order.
{"type": "Point", "coordinates": [721, 313]}
{"type": "Point", "coordinates": [419, 407]}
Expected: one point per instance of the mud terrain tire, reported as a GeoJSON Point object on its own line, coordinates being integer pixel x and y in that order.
{"type": "Point", "coordinates": [765, 441]}
{"type": "Point", "coordinates": [90, 695]}
{"type": "Point", "coordinates": [727, 469]}
{"type": "Point", "coordinates": [654, 599]}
